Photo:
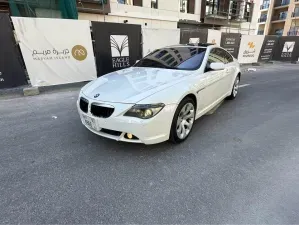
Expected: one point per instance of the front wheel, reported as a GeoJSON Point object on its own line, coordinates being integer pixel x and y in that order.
{"type": "Point", "coordinates": [183, 120]}
{"type": "Point", "coordinates": [235, 89]}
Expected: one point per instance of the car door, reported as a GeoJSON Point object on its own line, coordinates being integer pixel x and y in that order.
{"type": "Point", "coordinates": [213, 80]}
{"type": "Point", "coordinates": [230, 70]}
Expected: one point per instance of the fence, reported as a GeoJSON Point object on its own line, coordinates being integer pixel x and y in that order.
{"type": "Point", "coordinates": [58, 51]}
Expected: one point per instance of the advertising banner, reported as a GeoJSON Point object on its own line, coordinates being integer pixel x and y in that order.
{"type": "Point", "coordinates": [117, 46]}
{"type": "Point", "coordinates": [56, 51]}
{"type": "Point", "coordinates": [268, 48]}
{"type": "Point", "coordinates": [250, 48]}
{"type": "Point", "coordinates": [231, 42]}
{"type": "Point", "coordinates": [214, 37]}
{"type": "Point", "coordinates": [287, 49]}
{"type": "Point", "coordinates": [192, 36]}
{"type": "Point", "coordinates": [159, 38]}
{"type": "Point", "coordinates": [12, 73]}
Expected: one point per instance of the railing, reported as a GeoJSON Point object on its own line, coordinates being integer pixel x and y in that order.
{"type": "Point", "coordinates": [293, 33]}
{"type": "Point", "coordinates": [266, 6]}
{"type": "Point", "coordinates": [262, 19]}
{"type": "Point", "coordinates": [279, 17]}
{"type": "Point", "coordinates": [295, 14]}
{"type": "Point", "coordinates": [283, 3]}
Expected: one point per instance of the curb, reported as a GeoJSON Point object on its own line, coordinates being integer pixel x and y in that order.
{"type": "Point", "coordinates": [28, 90]}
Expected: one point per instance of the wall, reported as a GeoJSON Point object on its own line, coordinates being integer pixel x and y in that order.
{"type": "Point", "coordinates": [166, 16]}
{"type": "Point", "coordinates": [150, 23]}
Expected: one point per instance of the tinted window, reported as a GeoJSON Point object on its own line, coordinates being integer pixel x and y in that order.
{"type": "Point", "coordinates": [228, 57]}
{"type": "Point", "coordinates": [220, 55]}
{"type": "Point", "coordinates": [180, 58]}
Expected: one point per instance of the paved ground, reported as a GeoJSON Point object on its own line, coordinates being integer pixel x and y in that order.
{"type": "Point", "coordinates": [240, 165]}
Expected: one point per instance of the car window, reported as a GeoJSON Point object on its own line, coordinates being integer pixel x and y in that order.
{"type": "Point", "coordinates": [179, 58]}
{"type": "Point", "coordinates": [228, 57]}
{"type": "Point", "coordinates": [216, 55]}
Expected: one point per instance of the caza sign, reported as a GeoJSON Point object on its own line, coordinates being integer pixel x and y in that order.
{"type": "Point", "coordinates": [120, 51]}
{"type": "Point", "coordinates": [288, 48]}
{"type": "Point", "coordinates": [250, 52]}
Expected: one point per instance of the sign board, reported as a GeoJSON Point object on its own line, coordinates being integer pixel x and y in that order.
{"type": "Point", "coordinates": [231, 42]}
{"type": "Point", "coordinates": [117, 46]}
{"type": "Point", "coordinates": [159, 38]}
{"type": "Point", "coordinates": [12, 73]}
{"type": "Point", "coordinates": [56, 51]}
{"type": "Point", "coordinates": [250, 48]}
{"type": "Point", "coordinates": [287, 49]}
{"type": "Point", "coordinates": [193, 36]}
{"type": "Point", "coordinates": [267, 51]}
{"type": "Point", "coordinates": [214, 37]}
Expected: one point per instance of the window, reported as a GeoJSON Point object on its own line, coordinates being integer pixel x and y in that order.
{"type": "Point", "coordinates": [187, 6]}
{"type": "Point", "coordinates": [154, 4]}
{"type": "Point", "coordinates": [130, 2]}
{"type": "Point", "coordinates": [217, 55]}
{"type": "Point", "coordinates": [189, 58]}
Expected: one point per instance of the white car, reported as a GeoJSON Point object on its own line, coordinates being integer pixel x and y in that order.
{"type": "Point", "coordinates": [161, 96]}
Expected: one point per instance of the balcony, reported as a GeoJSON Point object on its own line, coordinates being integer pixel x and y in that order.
{"type": "Point", "coordinates": [295, 14]}
{"type": "Point", "coordinates": [93, 6]}
{"type": "Point", "coordinates": [262, 20]}
{"type": "Point", "coordinates": [279, 18]}
{"type": "Point", "coordinates": [265, 6]}
{"type": "Point", "coordinates": [293, 33]}
{"type": "Point", "coordinates": [283, 3]}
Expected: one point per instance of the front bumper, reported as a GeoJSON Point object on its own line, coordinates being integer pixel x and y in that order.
{"type": "Point", "coordinates": [149, 131]}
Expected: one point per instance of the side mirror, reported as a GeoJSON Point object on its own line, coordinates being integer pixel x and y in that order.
{"type": "Point", "coordinates": [217, 66]}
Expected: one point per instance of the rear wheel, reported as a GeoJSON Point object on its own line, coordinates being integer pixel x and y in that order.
{"type": "Point", "coordinates": [183, 120]}
{"type": "Point", "coordinates": [235, 89]}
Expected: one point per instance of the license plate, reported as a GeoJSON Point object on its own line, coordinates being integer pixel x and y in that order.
{"type": "Point", "coordinates": [90, 122]}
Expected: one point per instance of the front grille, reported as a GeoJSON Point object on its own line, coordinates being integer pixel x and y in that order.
{"type": "Point", "coordinates": [111, 132]}
{"type": "Point", "coordinates": [101, 111]}
{"type": "Point", "coordinates": [84, 104]}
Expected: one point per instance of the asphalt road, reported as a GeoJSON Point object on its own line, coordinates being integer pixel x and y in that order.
{"type": "Point", "coordinates": [240, 165]}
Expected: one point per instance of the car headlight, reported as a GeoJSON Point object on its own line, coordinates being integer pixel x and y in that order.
{"type": "Point", "coordinates": [145, 111]}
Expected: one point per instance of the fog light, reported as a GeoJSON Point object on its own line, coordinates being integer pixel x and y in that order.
{"type": "Point", "coordinates": [130, 136]}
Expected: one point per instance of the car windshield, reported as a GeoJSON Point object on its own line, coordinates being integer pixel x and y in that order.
{"type": "Point", "coordinates": [179, 58]}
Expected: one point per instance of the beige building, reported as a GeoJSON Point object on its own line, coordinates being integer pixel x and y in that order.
{"type": "Point", "coordinates": [279, 17]}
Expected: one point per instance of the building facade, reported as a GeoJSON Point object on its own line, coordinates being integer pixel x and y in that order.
{"type": "Point", "coordinates": [279, 17]}
{"type": "Point", "coordinates": [238, 16]}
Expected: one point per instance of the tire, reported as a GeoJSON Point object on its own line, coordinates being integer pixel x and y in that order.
{"type": "Point", "coordinates": [180, 131]}
{"type": "Point", "coordinates": [235, 89]}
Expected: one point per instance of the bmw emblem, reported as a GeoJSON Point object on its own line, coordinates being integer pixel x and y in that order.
{"type": "Point", "coordinates": [97, 95]}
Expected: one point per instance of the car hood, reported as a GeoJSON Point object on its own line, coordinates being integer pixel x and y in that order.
{"type": "Point", "coordinates": [133, 84]}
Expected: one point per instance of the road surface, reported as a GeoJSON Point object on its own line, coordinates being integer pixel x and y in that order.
{"type": "Point", "coordinates": [240, 165]}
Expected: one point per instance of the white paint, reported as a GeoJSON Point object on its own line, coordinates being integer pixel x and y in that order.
{"type": "Point", "coordinates": [214, 36]}
{"type": "Point", "coordinates": [48, 48]}
{"type": "Point", "coordinates": [143, 85]}
{"type": "Point", "coordinates": [250, 48]}
{"type": "Point", "coordinates": [158, 38]}
{"type": "Point", "coordinates": [244, 85]}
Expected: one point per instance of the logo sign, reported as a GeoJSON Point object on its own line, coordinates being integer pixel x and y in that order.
{"type": "Point", "coordinates": [120, 51]}
{"type": "Point", "coordinates": [288, 48]}
{"type": "Point", "coordinates": [194, 40]}
{"type": "Point", "coordinates": [79, 52]}
{"type": "Point", "coordinates": [250, 51]}
{"type": "Point", "coordinates": [97, 95]}
{"type": "Point", "coordinates": [268, 48]}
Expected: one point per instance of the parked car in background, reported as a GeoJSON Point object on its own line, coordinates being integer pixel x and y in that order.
{"type": "Point", "coordinates": [161, 96]}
